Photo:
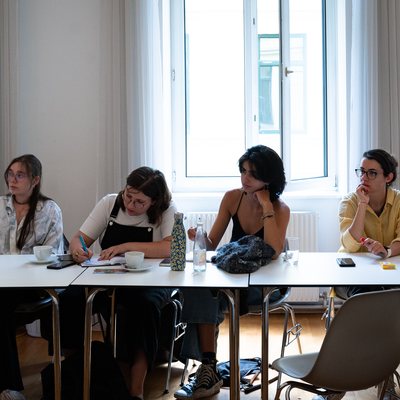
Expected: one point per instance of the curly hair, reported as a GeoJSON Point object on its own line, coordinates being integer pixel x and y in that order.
{"type": "Point", "coordinates": [268, 168]}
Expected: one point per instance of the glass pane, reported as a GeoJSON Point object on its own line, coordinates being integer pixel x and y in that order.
{"type": "Point", "coordinates": [306, 60]}
{"type": "Point", "coordinates": [269, 91]}
{"type": "Point", "coordinates": [215, 119]}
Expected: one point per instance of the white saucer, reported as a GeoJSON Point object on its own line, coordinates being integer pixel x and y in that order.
{"type": "Point", "coordinates": [48, 261]}
{"type": "Point", "coordinates": [141, 269]}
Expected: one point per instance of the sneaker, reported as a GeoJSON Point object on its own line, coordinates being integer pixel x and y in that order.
{"type": "Point", "coordinates": [11, 395]}
{"type": "Point", "coordinates": [205, 382]}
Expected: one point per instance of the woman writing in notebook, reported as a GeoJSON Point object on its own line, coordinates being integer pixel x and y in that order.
{"type": "Point", "coordinates": [140, 217]}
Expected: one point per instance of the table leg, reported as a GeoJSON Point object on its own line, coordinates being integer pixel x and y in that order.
{"type": "Point", "coordinates": [88, 342]}
{"type": "Point", "coordinates": [233, 298]}
{"type": "Point", "coordinates": [56, 342]}
{"type": "Point", "coordinates": [267, 291]}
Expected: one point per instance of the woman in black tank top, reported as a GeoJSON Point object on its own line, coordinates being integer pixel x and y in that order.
{"type": "Point", "coordinates": [255, 209]}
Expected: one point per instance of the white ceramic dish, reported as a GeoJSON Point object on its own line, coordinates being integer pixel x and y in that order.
{"type": "Point", "coordinates": [52, 259]}
{"type": "Point", "coordinates": [141, 269]}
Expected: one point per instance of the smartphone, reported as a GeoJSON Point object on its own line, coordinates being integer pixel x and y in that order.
{"type": "Point", "coordinates": [165, 263]}
{"type": "Point", "coordinates": [345, 262]}
{"type": "Point", "coordinates": [64, 257]}
{"type": "Point", "coordinates": [61, 264]}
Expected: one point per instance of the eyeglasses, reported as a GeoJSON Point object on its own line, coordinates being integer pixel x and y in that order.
{"type": "Point", "coordinates": [19, 176]}
{"type": "Point", "coordinates": [136, 203]}
{"type": "Point", "coordinates": [371, 173]}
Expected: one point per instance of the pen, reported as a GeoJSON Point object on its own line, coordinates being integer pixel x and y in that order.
{"type": "Point", "coordinates": [85, 249]}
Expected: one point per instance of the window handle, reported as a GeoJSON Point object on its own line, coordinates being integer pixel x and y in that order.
{"type": "Point", "coordinates": [288, 71]}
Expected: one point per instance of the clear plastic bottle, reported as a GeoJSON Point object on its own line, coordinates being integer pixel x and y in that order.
{"type": "Point", "coordinates": [199, 249]}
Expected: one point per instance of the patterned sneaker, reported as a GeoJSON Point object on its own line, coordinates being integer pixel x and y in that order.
{"type": "Point", "coordinates": [206, 382]}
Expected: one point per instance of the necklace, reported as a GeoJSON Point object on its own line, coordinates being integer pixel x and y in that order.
{"type": "Point", "coordinates": [20, 203]}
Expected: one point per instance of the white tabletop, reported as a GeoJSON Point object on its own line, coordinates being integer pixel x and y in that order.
{"type": "Point", "coordinates": [157, 276]}
{"type": "Point", "coordinates": [22, 271]}
{"type": "Point", "coordinates": [321, 269]}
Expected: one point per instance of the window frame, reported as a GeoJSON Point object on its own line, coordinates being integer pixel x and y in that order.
{"type": "Point", "coordinates": [181, 183]}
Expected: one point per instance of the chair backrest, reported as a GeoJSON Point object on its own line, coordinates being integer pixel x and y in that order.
{"type": "Point", "coordinates": [362, 346]}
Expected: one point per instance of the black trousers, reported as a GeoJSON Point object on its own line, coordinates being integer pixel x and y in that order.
{"type": "Point", "coordinates": [10, 374]}
{"type": "Point", "coordinates": [138, 322]}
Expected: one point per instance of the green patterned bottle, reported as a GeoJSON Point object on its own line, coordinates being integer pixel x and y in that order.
{"type": "Point", "coordinates": [178, 244]}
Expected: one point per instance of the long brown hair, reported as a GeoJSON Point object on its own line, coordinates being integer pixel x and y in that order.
{"type": "Point", "coordinates": [34, 169]}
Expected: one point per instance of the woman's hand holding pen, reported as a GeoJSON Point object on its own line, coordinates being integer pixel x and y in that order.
{"type": "Point", "coordinates": [79, 250]}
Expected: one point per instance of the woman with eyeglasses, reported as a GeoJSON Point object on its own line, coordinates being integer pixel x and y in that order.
{"type": "Point", "coordinates": [370, 217]}
{"type": "Point", "coordinates": [139, 218]}
{"type": "Point", "coordinates": [27, 219]}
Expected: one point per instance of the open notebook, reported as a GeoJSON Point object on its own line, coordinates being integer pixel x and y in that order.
{"type": "Point", "coordinates": [95, 262]}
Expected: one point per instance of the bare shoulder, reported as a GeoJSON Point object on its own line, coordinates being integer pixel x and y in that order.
{"type": "Point", "coordinates": [281, 207]}
{"type": "Point", "coordinates": [231, 199]}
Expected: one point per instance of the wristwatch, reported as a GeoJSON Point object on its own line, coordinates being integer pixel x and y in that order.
{"type": "Point", "coordinates": [389, 251]}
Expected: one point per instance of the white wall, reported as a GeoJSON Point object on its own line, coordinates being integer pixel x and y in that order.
{"type": "Point", "coordinates": [58, 99]}
{"type": "Point", "coordinates": [62, 118]}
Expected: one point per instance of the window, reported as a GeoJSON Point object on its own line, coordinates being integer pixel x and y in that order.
{"type": "Point", "coordinates": [241, 78]}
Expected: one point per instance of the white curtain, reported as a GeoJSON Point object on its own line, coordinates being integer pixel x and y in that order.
{"type": "Point", "coordinates": [375, 79]}
{"type": "Point", "coordinates": [389, 95]}
{"type": "Point", "coordinates": [8, 81]}
{"type": "Point", "coordinates": [363, 113]}
{"type": "Point", "coordinates": [147, 95]}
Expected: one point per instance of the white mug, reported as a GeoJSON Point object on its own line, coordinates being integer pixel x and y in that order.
{"type": "Point", "coordinates": [134, 259]}
{"type": "Point", "coordinates": [43, 253]}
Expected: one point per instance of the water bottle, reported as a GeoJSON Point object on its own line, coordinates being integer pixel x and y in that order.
{"type": "Point", "coordinates": [199, 249]}
{"type": "Point", "coordinates": [178, 244]}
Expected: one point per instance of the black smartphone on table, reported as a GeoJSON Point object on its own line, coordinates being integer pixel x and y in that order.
{"type": "Point", "coordinates": [345, 262]}
{"type": "Point", "coordinates": [166, 262]}
{"type": "Point", "coordinates": [61, 264]}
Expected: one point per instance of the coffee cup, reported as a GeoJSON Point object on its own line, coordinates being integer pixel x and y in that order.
{"type": "Point", "coordinates": [43, 253]}
{"type": "Point", "coordinates": [134, 259]}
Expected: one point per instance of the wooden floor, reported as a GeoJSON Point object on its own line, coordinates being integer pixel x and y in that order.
{"type": "Point", "coordinates": [33, 358]}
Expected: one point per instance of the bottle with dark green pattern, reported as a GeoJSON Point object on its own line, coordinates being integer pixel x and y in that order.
{"type": "Point", "coordinates": [178, 244]}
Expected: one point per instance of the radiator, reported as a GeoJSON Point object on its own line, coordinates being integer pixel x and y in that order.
{"type": "Point", "coordinates": [302, 224]}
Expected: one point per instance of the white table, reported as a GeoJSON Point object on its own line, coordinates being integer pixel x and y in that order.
{"type": "Point", "coordinates": [163, 277]}
{"type": "Point", "coordinates": [21, 271]}
{"type": "Point", "coordinates": [318, 269]}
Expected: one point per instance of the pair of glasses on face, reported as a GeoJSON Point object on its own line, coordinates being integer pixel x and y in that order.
{"type": "Point", "coordinates": [371, 174]}
{"type": "Point", "coordinates": [19, 176]}
{"type": "Point", "coordinates": [136, 203]}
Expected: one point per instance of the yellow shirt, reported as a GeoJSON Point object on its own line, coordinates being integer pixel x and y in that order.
{"type": "Point", "coordinates": [385, 228]}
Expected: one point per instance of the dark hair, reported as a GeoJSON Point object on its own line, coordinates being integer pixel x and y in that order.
{"type": "Point", "coordinates": [34, 169]}
{"type": "Point", "coordinates": [150, 182]}
{"type": "Point", "coordinates": [386, 161]}
{"type": "Point", "coordinates": [268, 168]}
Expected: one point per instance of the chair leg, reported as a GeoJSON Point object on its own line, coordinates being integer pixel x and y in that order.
{"type": "Point", "coordinates": [296, 328]}
{"type": "Point", "coordinates": [171, 349]}
{"type": "Point", "coordinates": [330, 311]}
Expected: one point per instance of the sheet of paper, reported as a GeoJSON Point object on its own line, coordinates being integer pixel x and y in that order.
{"type": "Point", "coordinates": [95, 262]}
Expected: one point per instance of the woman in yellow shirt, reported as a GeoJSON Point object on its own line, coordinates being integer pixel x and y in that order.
{"type": "Point", "coordinates": [370, 217]}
